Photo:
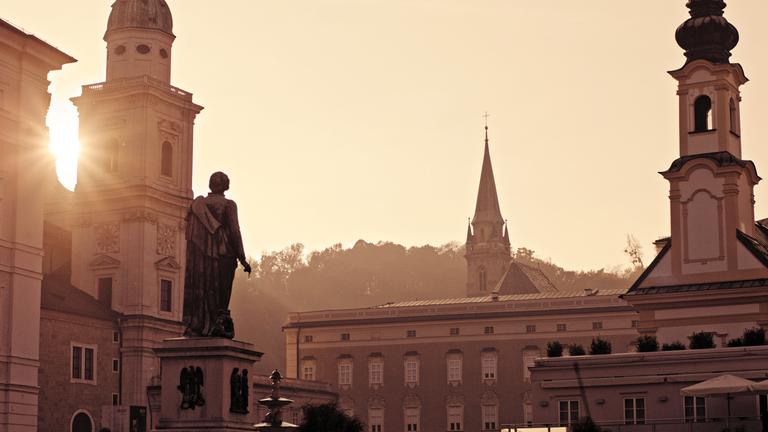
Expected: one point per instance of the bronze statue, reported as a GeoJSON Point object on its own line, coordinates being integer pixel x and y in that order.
{"type": "Point", "coordinates": [191, 384]}
{"type": "Point", "coordinates": [238, 391]}
{"type": "Point", "coordinates": [214, 246]}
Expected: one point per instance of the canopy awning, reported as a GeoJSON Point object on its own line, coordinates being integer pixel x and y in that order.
{"type": "Point", "coordinates": [721, 385]}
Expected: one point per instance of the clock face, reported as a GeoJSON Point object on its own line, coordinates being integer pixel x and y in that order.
{"type": "Point", "coordinates": [143, 49]}
{"type": "Point", "coordinates": [120, 50]}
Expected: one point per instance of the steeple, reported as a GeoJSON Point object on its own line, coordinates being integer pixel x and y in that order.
{"type": "Point", "coordinates": [488, 252]}
{"type": "Point", "coordinates": [487, 207]}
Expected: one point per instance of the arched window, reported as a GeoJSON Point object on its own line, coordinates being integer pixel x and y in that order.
{"type": "Point", "coordinates": [482, 278]}
{"type": "Point", "coordinates": [110, 156]}
{"type": "Point", "coordinates": [734, 117]}
{"type": "Point", "coordinates": [81, 422]}
{"type": "Point", "coordinates": [702, 109]}
{"type": "Point", "coordinates": [166, 160]}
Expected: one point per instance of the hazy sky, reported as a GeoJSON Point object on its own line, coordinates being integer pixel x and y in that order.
{"type": "Point", "coordinates": [345, 119]}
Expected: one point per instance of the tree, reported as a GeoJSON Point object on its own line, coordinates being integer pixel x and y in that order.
{"type": "Point", "coordinates": [328, 418]}
{"type": "Point", "coordinates": [554, 349]}
{"type": "Point", "coordinates": [576, 350]}
{"type": "Point", "coordinates": [754, 336]}
{"type": "Point", "coordinates": [701, 340]}
{"type": "Point", "coordinates": [634, 251]}
{"type": "Point", "coordinates": [585, 424]}
{"type": "Point", "coordinates": [647, 344]}
{"type": "Point", "coordinates": [674, 346]}
{"type": "Point", "coordinates": [599, 346]}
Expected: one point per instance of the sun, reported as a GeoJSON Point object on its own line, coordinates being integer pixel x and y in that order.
{"type": "Point", "coordinates": [63, 125]}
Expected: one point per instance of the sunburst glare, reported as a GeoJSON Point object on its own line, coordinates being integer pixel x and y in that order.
{"type": "Point", "coordinates": [63, 125]}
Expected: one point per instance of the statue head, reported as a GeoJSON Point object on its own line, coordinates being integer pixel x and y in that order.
{"type": "Point", "coordinates": [218, 183]}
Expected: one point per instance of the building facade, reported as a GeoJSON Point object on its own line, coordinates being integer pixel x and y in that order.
{"type": "Point", "coordinates": [709, 278]}
{"type": "Point", "coordinates": [25, 165]}
{"type": "Point", "coordinates": [455, 364]}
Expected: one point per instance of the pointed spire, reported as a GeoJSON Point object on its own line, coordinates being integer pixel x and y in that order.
{"type": "Point", "coordinates": [487, 207]}
{"type": "Point", "coordinates": [469, 230]}
{"type": "Point", "coordinates": [506, 231]}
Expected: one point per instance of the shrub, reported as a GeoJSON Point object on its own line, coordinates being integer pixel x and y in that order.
{"type": "Point", "coordinates": [674, 346]}
{"type": "Point", "coordinates": [585, 424]}
{"type": "Point", "coordinates": [599, 346]}
{"type": "Point", "coordinates": [754, 336]}
{"type": "Point", "coordinates": [701, 340]}
{"type": "Point", "coordinates": [735, 343]}
{"type": "Point", "coordinates": [647, 344]}
{"type": "Point", "coordinates": [554, 349]}
{"type": "Point", "coordinates": [328, 418]}
{"type": "Point", "coordinates": [576, 350]}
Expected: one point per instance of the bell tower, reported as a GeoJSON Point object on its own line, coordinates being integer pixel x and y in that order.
{"type": "Point", "coordinates": [134, 186]}
{"type": "Point", "coordinates": [488, 251]}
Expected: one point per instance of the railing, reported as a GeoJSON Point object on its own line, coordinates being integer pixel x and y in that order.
{"type": "Point", "coordinates": [141, 80]}
{"type": "Point", "coordinates": [733, 424]}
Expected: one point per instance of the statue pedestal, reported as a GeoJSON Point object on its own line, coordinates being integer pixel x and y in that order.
{"type": "Point", "coordinates": [217, 358]}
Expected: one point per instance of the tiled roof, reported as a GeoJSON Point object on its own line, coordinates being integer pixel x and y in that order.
{"type": "Point", "coordinates": [59, 295]}
{"type": "Point", "coordinates": [699, 287]}
{"type": "Point", "coordinates": [523, 279]}
{"type": "Point", "coordinates": [722, 158]}
{"type": "Point", "coordinates": [505, 298]}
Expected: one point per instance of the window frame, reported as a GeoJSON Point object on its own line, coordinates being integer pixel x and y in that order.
{"type": "Point", "coordinates": [530, 328]}
{"type": "Point", "coordinates": [562, 327]}
{"type": "Point", "coordinates": [411, 375]}
{"type": "Point", "coordinates": [411, 412]}
{"type": "Point", "coordinates": [163, 288]}
{"type": "Point", "coordinates": [455, 418]}
{"type": "Point", "coordinates": [569, 411]}
{"type": "Point", "coordinates": [84, 348]}
{"type": "Point", "coordinates": [375, 414]}
{"type": "Point", "coordinates": [454, 363]}
{"type": "Point", "coordinates": [348, 374]}
{"type": "Point", "coordinates": [489, 365]}
{"type": "Point", "coordinates": [376, 370]}
{"type": "Point", "coordinates": [694, 409]}
{"type": "Point", "coordinates": [308, 368]}
{"type": "Point", "coordinates": [635, 420]}
{"type": "Point", "coordinates": [489, 415]}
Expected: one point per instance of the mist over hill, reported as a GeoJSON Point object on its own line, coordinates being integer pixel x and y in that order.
{"type": "Point", "coordinates": [368, 274]}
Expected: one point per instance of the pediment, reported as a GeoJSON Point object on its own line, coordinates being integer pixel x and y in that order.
{"type": "Point", "coordinates": [168, 263]}
{"type": "Point", "coordinates": [104, 261]}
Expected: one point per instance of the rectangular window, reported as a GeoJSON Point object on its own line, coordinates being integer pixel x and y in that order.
{"type": "Point", "coordinates": [345, 372]}
{"type": "Point", "coordinates": [376, 372]}
{"type": "Point", "coordinates": [562, 327]}
{"type": "Point", "coordinates": [345, 336]}
{"type": "Point", "coordinates": [454, 331]}
{"type": "Point", "coordinates": [411, 371]}
{"type": "Point", "coordinates": [115, 365]}
{"type": "Point", "coordinates": [412, 419]}
{"type": "Point", "coordinates": [490, 417]}
{"type": "Point", "coordinates": [115, 399]}
{"type": "Point", "coordinates": [489, 365]}
{"type": "Point", "coordinates": [530, 328]}
{"type": "Point", "coordinates": [634, 411]}
{"type": "Point", "coordinates": [455, 418]}
{"type": "Point", "coordinates": [569, 412]}
{"type": "Point", "coordinates": [308, 339]}
{"type": "Point", "coordinates": [635, 323]}
{"type": "Point", "coordinates": [166, 293]}
{"type": "Point", "coordinates": [83, 364]}
{"type": "Point", "coordinates": [376, 419]}
{"type": "Point", "coordinates": [695, 409]}
{"type": "Point", "coordinates": [105, 291]}
{"type": "Point", "coordinates": [116, 336]}
{"type": "Point", "coordinates": [488, 330]}
{"type": "Point", "coordinates": [597, 325]}
{"type": "Point", "coordinates": [454, 370]}
{"type": "Point", "coordinates": [529, 358]}
{"type": "Point", "coordinates": [308, 370]}
{"type": "Point", "coordinates": [410, 333]}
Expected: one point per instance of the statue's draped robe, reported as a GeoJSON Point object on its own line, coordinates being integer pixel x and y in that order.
{"type": "Point", "coordinates": [214, 245]}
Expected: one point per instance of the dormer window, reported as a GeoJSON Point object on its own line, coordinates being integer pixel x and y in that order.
{"type": "Point", "coordinates": [702, 110]}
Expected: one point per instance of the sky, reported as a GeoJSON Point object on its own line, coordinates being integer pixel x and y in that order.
{"type": "Point", "coordinates": [340, 120]}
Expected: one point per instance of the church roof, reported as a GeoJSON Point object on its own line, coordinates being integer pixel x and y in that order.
{"type": "Point", "coordinates": [59, 295]}
{"type": "Point", "coordinates": [523, 279]}
{"type": "Point", "coordinates": [487, 208]}
{"type": "Point", "coordinates": [147, 14]}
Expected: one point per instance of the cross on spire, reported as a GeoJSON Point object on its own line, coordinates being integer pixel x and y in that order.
{"type": "Point", "coordinates": [485, 116]}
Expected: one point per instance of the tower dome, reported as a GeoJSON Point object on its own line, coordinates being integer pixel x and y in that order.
{"type": "Point", "coordinates": [144, 14]}
{"type": "Point", "coordinates": [707, 35]}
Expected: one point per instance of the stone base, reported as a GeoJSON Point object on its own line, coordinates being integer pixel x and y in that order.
{"type": "Point", "coordinates": [217, 357]}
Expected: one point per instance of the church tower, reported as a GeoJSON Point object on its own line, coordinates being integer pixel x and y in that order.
{"type": "Point", "coordinates": [133, 188]}
{"type": "Point", "coordinates": [710, 274]}
{"type": "Point", "coordinates": [487, 250]}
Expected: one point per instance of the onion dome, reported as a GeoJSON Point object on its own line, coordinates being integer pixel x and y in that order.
{"type": "Point", "coordinates": [146, 14]}
{"type": "Point", "coordinates": [707, 35]}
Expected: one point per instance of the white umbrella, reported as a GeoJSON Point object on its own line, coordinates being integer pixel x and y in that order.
{"type": "Point", "coordinates": [722, 385]}
{"type": "Point", "coordinates": [762, 386]}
